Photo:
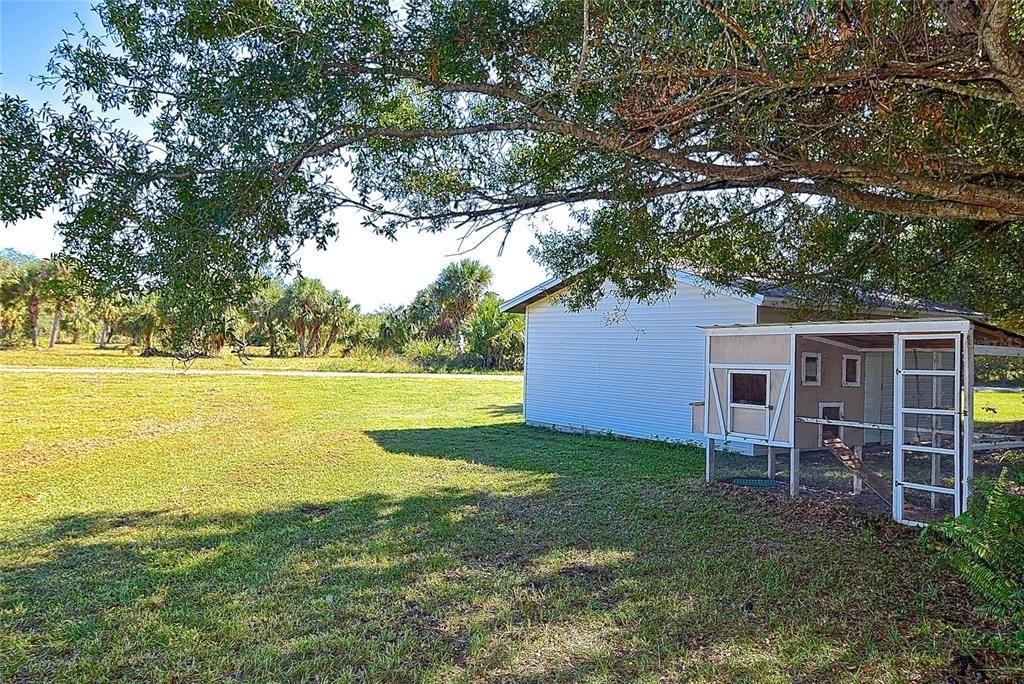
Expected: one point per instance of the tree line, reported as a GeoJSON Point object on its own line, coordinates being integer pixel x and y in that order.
{"type": "Point", "coordinates": [454, 320]}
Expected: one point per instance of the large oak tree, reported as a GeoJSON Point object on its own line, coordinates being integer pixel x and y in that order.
{"type": "Point", "coordinates": [835, 145]}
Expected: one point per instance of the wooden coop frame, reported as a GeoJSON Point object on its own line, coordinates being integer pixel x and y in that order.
{"type": "Point", "coordinates": [770, 391]}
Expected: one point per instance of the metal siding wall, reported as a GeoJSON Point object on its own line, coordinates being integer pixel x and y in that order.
{"type": "Point", "coordinates": [633, 377]}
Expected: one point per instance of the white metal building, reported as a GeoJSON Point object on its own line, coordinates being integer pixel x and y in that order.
{"type": "Point", "coordinates": [629, 370]}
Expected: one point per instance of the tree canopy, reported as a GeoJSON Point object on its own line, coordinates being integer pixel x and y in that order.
{"type": "Point", "coordinates": [840, 145]}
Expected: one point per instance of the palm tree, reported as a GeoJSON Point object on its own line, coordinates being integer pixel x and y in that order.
{"type": "Point", "coordinates": [31, 287]}
{"type": "Point", "coordinates": [304, 304]}
{"type": "Point", "coordinates": [108, 309]}
{"type": "Point", "coordinates": [264, 314]}
{"type": "Point", "coordinates": [279, 316]}
{"type": "Point", "coordinates": [61, 289]}
{"type": "Point", "coordinates": [394, 328]}
{"type": "Point", "coordinates": [339, 316]}
{"type": "Point", "coordinates": [457, 290]}
{"type": "Point", "coordinates": [144, 322]}
{"type": "Point", "coordinates": [11, 313]}
{"type": "Point", "coordinates": [496, 338]}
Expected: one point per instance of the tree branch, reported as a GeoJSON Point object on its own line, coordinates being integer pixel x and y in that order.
{"type": "Point", "coordinates": [994, 36]}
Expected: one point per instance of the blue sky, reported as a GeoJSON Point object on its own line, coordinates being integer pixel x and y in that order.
{"type": "Point", "coordinates": [371, 270]}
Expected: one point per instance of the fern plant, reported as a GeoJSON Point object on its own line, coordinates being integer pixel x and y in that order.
{"type": "Point", "coordinates": [986, 546]}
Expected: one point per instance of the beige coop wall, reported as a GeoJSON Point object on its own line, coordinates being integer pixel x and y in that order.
{"type": "Point", "coordinates": [750, 352]}
{"type": "Point", "coordinates": [831, 390]}
{"type": "Point", "coordinates": [750, 349]}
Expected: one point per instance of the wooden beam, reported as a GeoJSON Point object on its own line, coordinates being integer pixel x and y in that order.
{"type": "Point", "coordinates": [825, 340]}
{"type": "Point", "coordinates": [858, 481]}
{"type": "Point", "coordinates": [709, 461]}
{"type": "Point", "coordinates": [993, 350]}
{"type": "Point", "coordinates": [844, 423]}
{"type": "Point", "coordinates": [965, 467]}
{"type": "Point", "coordinates": [849, 459]}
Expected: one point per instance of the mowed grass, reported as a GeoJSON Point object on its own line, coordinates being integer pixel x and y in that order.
{"type": "Point", "coordinates": [991, 408]}
{"type": "Point", "coordinates": [256, 358]}
{"type": "Point", "coordinates": [170, 528]}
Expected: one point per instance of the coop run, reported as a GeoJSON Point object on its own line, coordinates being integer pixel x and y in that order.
{"type": "Point", "coordinates": [877, 412]}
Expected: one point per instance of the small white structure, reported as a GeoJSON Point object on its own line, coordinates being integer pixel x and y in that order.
{"type": "Point", "coordinates": [800, 386]}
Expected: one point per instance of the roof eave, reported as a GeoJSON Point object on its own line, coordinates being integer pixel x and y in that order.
{"type": "Point", "coordinates": [520, 302]}
{"type": "Point", "coordinates": [786, 303]}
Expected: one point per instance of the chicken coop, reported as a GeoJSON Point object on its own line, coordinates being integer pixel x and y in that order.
{"type": "Point", "coordinates": [881, 409]}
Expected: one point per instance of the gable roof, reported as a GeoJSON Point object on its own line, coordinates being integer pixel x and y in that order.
{"type": "Point", "coordinates": [781, 295]}
{"type": "Point", "coordinates": [772, 295]}
{"type": "Point", "coordinates": [550, 286]}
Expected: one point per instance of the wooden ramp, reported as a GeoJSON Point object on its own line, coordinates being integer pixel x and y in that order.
{"type": "Point", "coordinates": [845, 454]}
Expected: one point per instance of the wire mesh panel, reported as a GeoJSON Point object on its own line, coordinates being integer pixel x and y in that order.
{"type": "Point", "coordinates": [925, 507]}
{"type": "Point", "coordinates": [935, 470]}
{"type": "Point", "coordinates": [930, 392]}
{"type": "Point", "coordinates": [924, 430]}
{"type": "Point", "coordinates": [927, 417]}
{"type": "Point", "coordinates": [929, 354]}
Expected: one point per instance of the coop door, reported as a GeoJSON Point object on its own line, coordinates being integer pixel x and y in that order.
{"type": "Point", "coordinates": [747, 403]}
{"type": "Point", "coordinates": [830, 411]}
{"type": "Point", "coordinates": [928, 420]}
{"type": "Point", "coordinates": [749, 391]}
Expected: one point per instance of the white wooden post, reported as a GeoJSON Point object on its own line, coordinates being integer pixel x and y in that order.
{"type": "Point", "coordinates": [967, 447]}
{"type": "Point", "coordinates": [794, 472]}
{"type": "Point", "coordinates": [897, 432]}
{"type": "Point", "coordinates": [858, 481]}
{"type": "Point", "coordinates": [709, 460]}
{"type": "Point", "coordinates": [936, 402]}
{"type": "Point", "coordinates": [771, 463]}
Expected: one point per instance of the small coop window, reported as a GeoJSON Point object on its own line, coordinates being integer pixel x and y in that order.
{"type": "Point", "coordinates": [749, 389]}
{"type": "Point", "coordinates": [810, 368]}
{"type": "Point", "coordinates": [851, 370]}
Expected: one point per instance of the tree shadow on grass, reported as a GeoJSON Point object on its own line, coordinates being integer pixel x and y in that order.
{"type": "Point", "coordinates": [615, 573]}
{"type": "Point", "coordinates": [523, 447]}
{"type": "Point", "coordinates": [499, 410]}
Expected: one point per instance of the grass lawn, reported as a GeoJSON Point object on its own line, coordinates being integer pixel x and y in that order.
{"type": "Point", "coordinates": [388, 529]}
{"type": "Point", "coordinates": [991, 408]}
{"type": "Point", "coordinates": [88, 356]}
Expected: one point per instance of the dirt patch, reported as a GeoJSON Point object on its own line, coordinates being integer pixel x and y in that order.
{"type": "Point", "coordinates": [1014, 428]}
{"type": "Point", "coordinates": [810, 515]}
{"type": "Point", "coordinates": [587, 572]}
{"type": "Point", "coordinates": [41, 454]}
{"type": "Point", "coordinates": [315, 511]}
{"type": "Point", "coordinates": [496, 562]}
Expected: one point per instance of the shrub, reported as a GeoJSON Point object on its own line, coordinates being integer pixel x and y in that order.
{"type": "Point", "coordinates": [998, 370]}
{"type": "Point", "coordinates": [431, 352]}
{"type": "Point", "coordinates": [495, 339]}
{"type": "Point", "coordinates": [986, 546]}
